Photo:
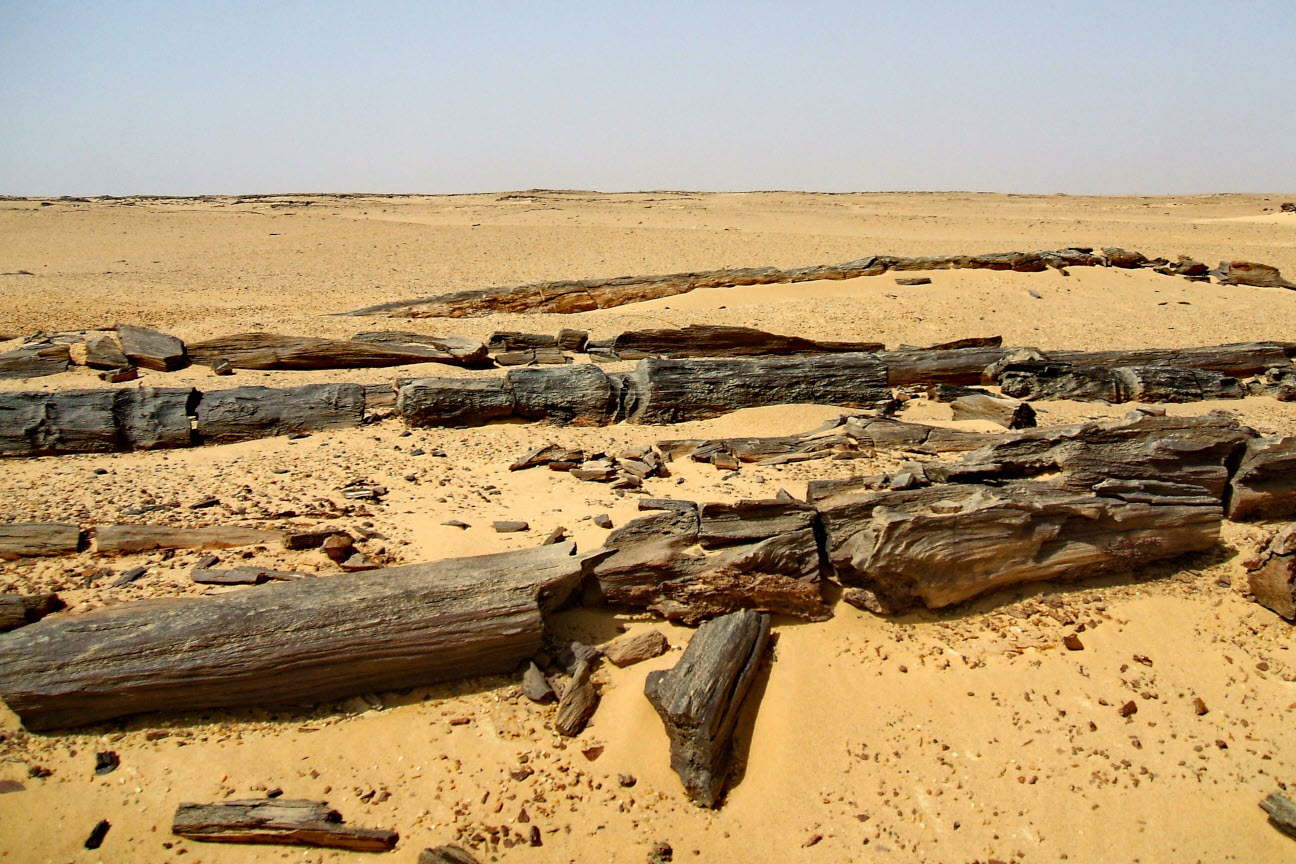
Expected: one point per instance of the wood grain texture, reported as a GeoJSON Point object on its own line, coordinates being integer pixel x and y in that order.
{"type": "Point", "coordinates": [286, 643]}
{"type": "Point", "coordinates": [245, 413]}
{"type": "Point", "coordinates": [38, 539]}
{"type": "Point", "coordinates": [716, 340]}
{"type": "Point", "coordinates": [35, 361]}
{"type": "Point", "coordinates": [1264, 484]}
{"type": "Point", "coordinates": [131, 539]}
{"type": "Point", "coordinates": [35, 423]}
{"type": "Point", "coordinates": [699, 700]}
{"type": "Point", "coordinates": [278, 821]}
{"type": "Point", "coordinates": [19, 610]}
{"type": "Point", "coordinates": [271, 351]}
{"type": "Point", "coordinates": [150, 349]}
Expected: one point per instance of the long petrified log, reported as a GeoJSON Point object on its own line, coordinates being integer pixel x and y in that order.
{"type": "Point", "coordinates": [699, 700]}
{"type": "Point", "coordinates": [244, 413]}
{"type": "Point", "coordinates": [280, 821]}
{"type": "Point", "coordinates": [1272, 576]}
{"type": "Point", "coordinates": [19, 610]}
{"type": "Point", "coordinates": [585, 295]}
{"type": "Point", "coordinates": [35, 361]}
{"type": "Point", "coordinates": [1042, 378]}
{"type": "Point", "coordinates": [753, 555]}
{"type": "Point", "coordinates": [945, 544]}
{"type": "Point", "coordinates": [579, 395]}
{"type": "Point", "coordinates": [715, 340]}
{"type": "Point", "coordinates": [286, 643]}
{"type": "Point", "coordinates": [37, 539]}
{"type": "Point", "coordinates": [672, 391]}
{"type": "Point", "coordinates": [34, 423]}
{"type": "Point", "coordinates": [1264, 484]}
{"type": "Point", "coordinates": [130, 539]}
{"type": "Point", "coordinates": [271, 351]}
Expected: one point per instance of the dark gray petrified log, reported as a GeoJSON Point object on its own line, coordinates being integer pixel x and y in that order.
{"type": "Point", "coordinates": [1043, 378]}
{"type": "Point", "coordinates": [1008, 413]}
{"type": "Point", "coordinates": [287, 643]}
{"type": "Point", "coordinates": [244, 413]}
{"type": "Point", "coordinates": [672, 391]}
{"type": "Point", "coordinates": [715, 340]}
{"type": "Point", "coordinates": [699, 700]}
{"type": "Point", "coordinates": [35, 361]}
{"type": "Point", "coordinates": [279, 821]}
{"type": "Point", "coordinates": [35, 423]}
{"type": "Point", "coordinates": [1264, 484]}
{"type": "Point", "coordinates": [130, 539]}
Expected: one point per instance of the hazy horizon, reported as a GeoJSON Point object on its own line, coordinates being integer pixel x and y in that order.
{"type": "Point", "coordinates": [1099, 98]}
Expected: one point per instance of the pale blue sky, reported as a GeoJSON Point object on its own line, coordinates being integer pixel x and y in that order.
{"type": "Point", "coordinates": [188, 97]}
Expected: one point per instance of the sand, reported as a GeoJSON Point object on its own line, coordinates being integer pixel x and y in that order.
{"type": "Point", "coordinates": [963, 736]}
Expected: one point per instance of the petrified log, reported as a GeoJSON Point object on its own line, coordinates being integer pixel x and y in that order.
{"type": "Point", "coordinates": [1250, 273]}
{"type": "Point", "coordinates": [1278, 383]}
{"type": "Point", "coordinates": [511, 340]}
{"type": "Point", "coordinates": [454, 401]}
{"type": "Point", "coordinates": [466, 352]}
{"type": "Point", "coordinates": [36, 423]}
{"type": "Point", "coordinates": [533, 357]}
{"type": "Point", "coordinates": [1272, 576]}
{"type": "Point", "coordinates": [130, 539]}
{"type": "Point", "coordinates": [38, 539]}
{"type": "Point", "coordinates": [271, 351]}
{"type": "Point", "coordinates": [672, 391]}
{"type": "Point", "coordinates": [579, 699]}
{"type": "Point", "coordinates": [19, 610]}
{"type": "Point", "coordinates": [959, 365]}
{"type": "Point", "coordinates": [244, 413]}
{"type": "Point", "coordinates": [762, 555]}
{"type": "Point", "coordinates": [1042, 378]}
{"type": "Point", "coordinates": [1008, 413]}
{"type": "Point", "coordinates": [35, 361]}
{"type": "Point", "coordinates": [579, 395]}
{"type": "Point", "coordinates": [585, 295]}
{"type": "Point", "coordinates": [286, 643]}
{"type": "Point", "coordinates": [714, 340]}
{"type": "Point", "coordinates": [150, 349]}
{"type": "Point", "coordinates": [1264, 484]}
{"type": "Point", "coordinates": [699, 700]}
{"type": "Point", "coordinates": [279, 821]}
{"type": "Point", "coordinates": [945, 544]}
{"type": "Point", "coordinates": [1281, 810]}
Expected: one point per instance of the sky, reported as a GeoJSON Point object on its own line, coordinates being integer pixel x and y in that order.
{"type": "Point", "coordinates": [201, 96]}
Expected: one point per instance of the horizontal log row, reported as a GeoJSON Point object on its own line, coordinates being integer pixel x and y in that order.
{"type": "Point", "coordinates": [585, 295]}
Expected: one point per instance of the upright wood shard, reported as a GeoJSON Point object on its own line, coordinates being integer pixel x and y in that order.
{"type": "Point", "coordinates": [714, 340]}
{"type": "Point", "coordinates": [37, 539]}
{"type": "Point", "coordinates": [673, 391]}
{"type": "Point", "coordinates": [288, 643]}
{"type": "Point", "coordinates": [150, 349]}
{"type": "Point", "coordinates": [700, 699]}
{"type": "Point", "coordinates": [244, 413]}
{"type": "Point", "coordinates": [279, 821]}
{"type": "Point", "coordinates": [38, 423]}
{"type": "Point", "coordinates": [946, 544]}
{"type": "Point", "coordinates": [271, 351]}
{"type": "Point", "coordinates": [35, 361]}
{"type": "Point", "coordinates": [1264, 484]}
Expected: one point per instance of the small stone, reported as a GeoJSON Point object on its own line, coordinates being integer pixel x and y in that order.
{"type": "Point", "coordinates": [510, 527]}
{"type": "Point", "coordinates": [661, 853]}
{"type": "Point", "coordinates": [460, 720]}
{"type": "Point", "coordinates": [1199, 706]}
{"type": "Point", "coordinates": [106, 762]}
{"type": "Point", "coordinates": [626, 781]}
{"type": "Point", "coordinates": [1128, 708]}
{"type": "Point", "coordinates": [222, 366]}
{"type": "Point", "coordinates": [592, 753]}
{"type": "Point", "coordinates": [813, 839]}
{"type": "Point", "coordinates": [97, 834]}
{"type": "Point", "coordinates": [534, 837]}
{"type": "Point", "coordinates": [914, 280]}
{"type": "Point", "coordinates": [603, 520]}
{"type": "Point", "coordinates": [117, 376]}
{"type": "Point", "coordinates": [520, 774]}
{"type": "Point", "coordinates": [557, 535]}
{"type": "Point", "coordinates": [534, 684]}
{"type": "Point", "coordinates": [1073, 643]}
{"type": "Point", "coordinates": [455, 523]}
{"type": "Point", "coordinates": [338, 547]}
{"type": "Point", "coordinates": [725, 462]}
{"type": "Point", "coordinates": [357, 563]}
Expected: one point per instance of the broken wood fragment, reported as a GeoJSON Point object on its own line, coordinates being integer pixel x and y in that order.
{"type": "Point", "coordinates": [279, 821]}
{"type": "Point", "coordinates": [1272, 579]}
{"type": "Point", "coordinates": [449, 854]}
{"type": "Point", "coordinates": [1008, 413]}
{"type": "Point", "coordinates": [130, 539]}
{"type": "Point", "coordinates": [1264, 484]}
{"type": "Point", "coordinates": [19, 610]}
{"type": "Point", "coordinates": [38, 539]}
{"type": "Point", "coordinates": [1282, 813]}
{"type": "Point", "coordinates": [35, 423]}
{"type": "Point", "coordinates": [699, 700]}
{"type": "Point", "coordinates": [579, 699]}
{"type": "Point", "coordinates": [636, 647]}
{"type": "Point", "coordinates": [245, 413]}
{"type": "Point", "coordinates": [150, 349]}
{"type": "Point", "coordinates": [285, 644]}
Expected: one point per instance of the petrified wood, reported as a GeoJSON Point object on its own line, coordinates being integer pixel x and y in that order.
{"type": "Point", "coordinates": [104, 352]}
{"type": "Point", "coordinates": [38, 539]}
{"type": "Point", "coordinates": [1264, 484]}
{"type": "Point", "coordinates": [945, 544]}
{"type": "Point", "coordinates": [19, 610]}
{"type": "Point", "coordinates": [150, 349]}
{"type": "Point", "coordinates": [579, 699]}
{"type": "Point", "coordinates": [271, 351]}
{"type": "Point", "coordinates": [286, 643]}
{"type": "Point", "coordinates": [1250, 273]}
{"type": "Point", "coordinates": [699, 700]}
{"type": "Point", "coordinates": [279, 821]}
{"type": "Point", "coordinates": [244, 413]}
{"type": "Point", "coordinates": [1008, 413]}
{"type": "Point", "coordinates": [579, 395]}
{"type": "Point", "coordinates": [454, 401]}
{"type": "Point", "coordinates": [130, 539]}
{"type": "Point", "coordinates": [715, 340]}
{"type": "Point", "coordinates": [672, 391]}
{"type": "Point", "coordinates": [1272, 576]}
{"type": "Point", "coordinates": [1282, 812]}
{"type": "Point", "coordinates": [35, 423]}
{"type": "Point", "coordinates": [35, 361]}
{"type": "Point", "coordinates": [1049, 379]}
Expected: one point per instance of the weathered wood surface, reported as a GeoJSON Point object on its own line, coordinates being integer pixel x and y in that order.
{"type": "Point", "coordinates": [454, 401]}
{"type": "Point", "coordinates": [279, 821]}
{"type": "Point", "coordinates": [715, 340]}
{"type": "Point", "coordinates": [1278, 382]}
{"type": "Point", "coordinates": [38, 539]}
{"type": "Point", "coordinates": [1282, 812]}
{"type": "Point", "coordinates": [908, 366]}
{"type": "Point", "coordinates": [449, 854]}
{"type": "Point", "coordinates": [34, 361]}
{"type": "Point", "coordinates": [578, 701]}
{"type": "Point", "coordinates": [699, 700]}
{"type": "Point", "coordinates": [945, 544]}
{"type": "Point", "coordinates": [19, 610]}
{"type": "Point", "coordinates": [104, 352]}
{"type": "Point", "coordinates": [35, 423]}
{"type": "Point", "coordinates": [1250, 273]}
{"type": "Point", "coordinates": [130, 539]}
{"type": "Point", "coordinates": [692, 563]}
{"type": "Point", "coordinates": [244, 413]}
{"type": "Point", "coordinates": [1008, 413]}
{"type": "Point", "coordinates": [1272, 575]}
{"type": "Point", "coordinates": [585, 295]}
{"type": "Point", "coordinates": [1264, 484]}
{"type": "Point", "coordinates": [673, 391]}
{"type": "Point", "coordinates": [150, 349]}
{"type": "Point", "coordinates": [533, 357]}
{"type": "Point", "coordinates": [288, 643]}
{"type": "Point", "coordinates": [271, 351]}
{"type": "Point", "coordinates": [576, 395]}
{"type": "Point", "coordinates": [1032, 378]}
{"type": "Point", "coordinates": [242, 576]}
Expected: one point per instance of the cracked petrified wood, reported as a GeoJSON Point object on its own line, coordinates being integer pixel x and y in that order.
{"type": "Point", "coordinates": [1264, 484]}
{"type": "Point", "coordinates": [945, 544]}
{"type": "Point", "coordinates": [690, 563]}
{"type": "Point", "coordinates": [244, 413]}
{"type": "Point", "coordinates": [716, 340]}
{"type": "Point", "coordinates": [35, 361]}
{"type": "Point", "coordinates": [700, 699]}
{"type": "Point", "coordinates": [19, 610]}
{"type": "Point", "coordinates": [368, 350]}
{"type": "Point", "coordinates": [1272, 575]}
{"type": "Point", "coordinates": [38, 539]}
{"type": "Point", "coordinates": [287, 643]}
{"type": "Point", "coordinates": [35, 423]}
{"type": "Point", "coordinates": [150, 349]}
{"type": "Point", "coordinates": [278, 821]}
{"type": "Point", "coordinates": [1039, 377]}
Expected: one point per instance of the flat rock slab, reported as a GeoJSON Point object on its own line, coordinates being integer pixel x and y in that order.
{"type": "Point", "coordinates": [150, 349]}
{"type": "Point", "coordinates": [245, 413]}
{"type": "Point", "coordinates": [35, 361]}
